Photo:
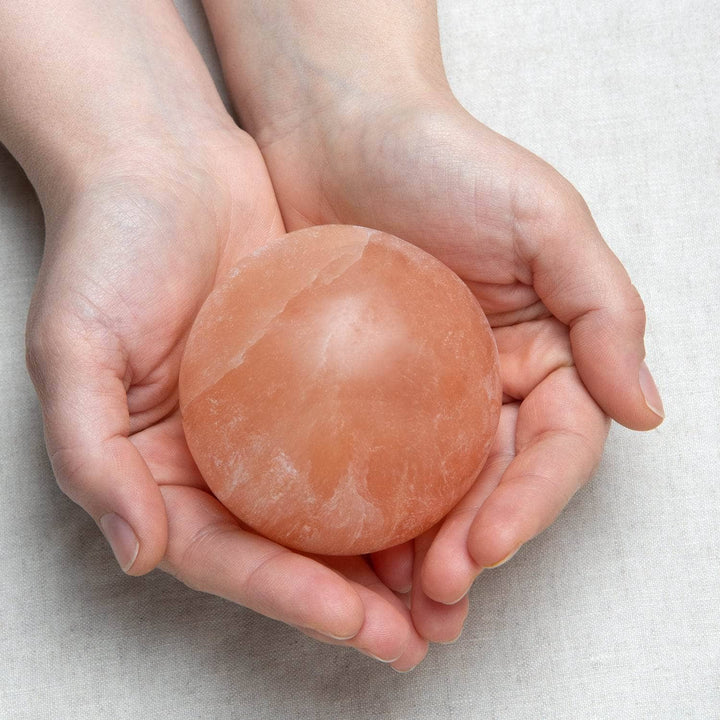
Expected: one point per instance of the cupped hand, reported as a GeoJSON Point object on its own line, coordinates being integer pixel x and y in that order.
{"type": "Point", "coordinates": [568, 323]}
{"type": "Point", "coordinates": [131, 253]}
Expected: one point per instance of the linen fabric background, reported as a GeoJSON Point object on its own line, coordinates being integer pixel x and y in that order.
{"type": "Point", "coordinates": [614, 612]}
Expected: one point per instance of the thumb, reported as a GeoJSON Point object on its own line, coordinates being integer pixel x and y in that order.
{"type": "Point", "coordinates": [86, 423]}
{"type": "Point", "coordinates": [582, 282]}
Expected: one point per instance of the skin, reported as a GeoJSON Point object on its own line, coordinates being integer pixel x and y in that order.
{"type": "Point", "coordinates": [151, 194]}
{"type": "Point", "coordinates": [353, 113]}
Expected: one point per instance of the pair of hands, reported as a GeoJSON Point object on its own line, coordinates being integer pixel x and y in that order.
{"type": "Point", "coordinates": [147, 229]}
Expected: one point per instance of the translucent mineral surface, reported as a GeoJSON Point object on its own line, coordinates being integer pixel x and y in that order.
{"type": "Point", "coordinates": [340, 391]}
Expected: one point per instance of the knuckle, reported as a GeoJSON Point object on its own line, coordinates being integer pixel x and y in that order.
{"type": "Point", "coordinates": [49, 345]}
{"type": "Point", "coordinates": [33, 361]}
{"type": "Point", "coordinates": [626, 309]}
{"type": "Point", "coordinates": [190, 563]}
{"type": "Point", "coordinates": [636, 307]}
{"type": "Point", "coordinates": [562, 206]}
{"type": "Point", "coordinates": [68, 466]}
{"type": "Point", "coordinates": [38, 350]}
{"type": "Point", "coordinates": [547, 206]}
{"type": "Point", "coordinates": [547, 192]}
{"type": "Point", "coordinates": [256, 579]}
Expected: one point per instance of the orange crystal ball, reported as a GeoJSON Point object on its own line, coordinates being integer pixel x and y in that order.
{"type": "Point", "coordinates": [340, 391]}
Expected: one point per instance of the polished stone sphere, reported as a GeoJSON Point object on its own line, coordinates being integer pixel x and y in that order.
{"type": "Point", "coordinates": [340, 390]}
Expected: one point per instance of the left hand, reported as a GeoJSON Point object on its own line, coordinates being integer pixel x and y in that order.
{"type": "Point", "coordinates": [568, 323]}
{"type": "Point", "coordinates": [350, 137]}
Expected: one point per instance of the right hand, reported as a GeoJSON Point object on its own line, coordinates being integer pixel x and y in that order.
{"type": "Point", "coordinates": [128, 262]}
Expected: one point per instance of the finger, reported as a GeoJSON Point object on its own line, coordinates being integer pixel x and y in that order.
{"type": "Point", "coordinates": [209, 551]}
{"type": "Point", "coordinates": [394, 566]}
{"type": "Point", "coordinates": [388, 633]}
{"type": "Point", "coordinates": [529, 352]}
{"type": "Point", "coordinates": [449, 569]}
{"type": "Point", "coordinates": [164, 448]}
{"type": "Point", "coordinates": [410, 658]}
{"type": "Point", "coordinates": [584, 284]}
{"type": "Point", "coordinates": [558, 443]}
{"type": "Point", "coordinates": [79, 382]}
{"type": "Point", "coordinates": [435, 621]}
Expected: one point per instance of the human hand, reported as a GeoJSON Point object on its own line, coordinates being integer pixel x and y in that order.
{"type": "Point", "coordinates": [127, 266]}
{"type": "Point", "coordinates": [148, 205]}
{"type": "Point", "coordinates": [357, 125]}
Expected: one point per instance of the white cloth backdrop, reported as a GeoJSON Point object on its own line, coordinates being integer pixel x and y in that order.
{"type": "Point", "coordinates": [614, 612]}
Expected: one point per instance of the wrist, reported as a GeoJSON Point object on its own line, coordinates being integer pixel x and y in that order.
{"type": "Point", "coordinates": [111, 82]}
{"type": "Point", "coordinates": [300, 62]}
{"type": "Point", "coordinates": [154, 151]}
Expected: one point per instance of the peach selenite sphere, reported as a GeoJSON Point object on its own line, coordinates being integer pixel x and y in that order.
{"type": "Point", "coordinates": [340, 390]}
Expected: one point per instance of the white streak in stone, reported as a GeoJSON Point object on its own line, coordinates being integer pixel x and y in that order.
{"type": "Point", "coordinates": [351, 258]}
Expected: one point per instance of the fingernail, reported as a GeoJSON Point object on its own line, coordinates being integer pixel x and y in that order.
{"type": "Point", "coordinates": [457, 600]}
{"type": "Point", "coordinates": [319, 634]}
{"type": "Point", "coordinates": [650, 391]}
{"type": "Point", "coordinates": [378, 658]}
{"type": "Point", "coordinates": [450, 642]}
{"type": "Point", "coordinates": [338, 637]}
{"type": "Point", "coordinates": [122, 539]}
{"type": "Point", "coordinates": [505, 559]}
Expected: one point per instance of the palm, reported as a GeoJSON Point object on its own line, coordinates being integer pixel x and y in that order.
{"type": "Point", "coordinates": [485, 207]}
{"type": "Point", "coordinates": [139, 256]}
